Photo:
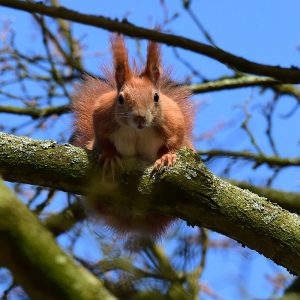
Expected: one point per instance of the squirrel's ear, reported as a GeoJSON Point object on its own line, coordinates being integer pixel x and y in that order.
{"type": "Point", "coordinates": [120, 57]}
{"type": "Point", "coordinates": [153, 68]}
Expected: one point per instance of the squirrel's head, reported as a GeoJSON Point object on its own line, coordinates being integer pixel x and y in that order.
{"type": "Point", "coordinates": [138, 96]}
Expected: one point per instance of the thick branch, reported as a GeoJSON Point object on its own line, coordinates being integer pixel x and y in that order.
{"type": "Point", "coordinates": [291, 75]}
{"type": "Point", "coordinates": [188, 191]}
{"type": "Point", "coordinates": [272, 161]}
{"type": "Point", "coordinates": [43, 163]}
{"type": "Point", "coordinates": [287, 200]}
{"type": "Point", "coordinates": [63, 221]}
{"type": "Point", "coordinates": [35, 260]}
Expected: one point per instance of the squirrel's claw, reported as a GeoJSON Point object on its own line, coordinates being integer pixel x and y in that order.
{"type": "Point", "coordinates": [168, 159]}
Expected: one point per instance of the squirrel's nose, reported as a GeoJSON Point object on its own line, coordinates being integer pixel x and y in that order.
{"type": "Point", "coordinates": [140, 121]}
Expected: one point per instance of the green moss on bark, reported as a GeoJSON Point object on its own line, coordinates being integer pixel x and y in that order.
{"type": "Point", "coordinates": [188, 191]}
{"type": "Point", "coordinates": [35, 260]}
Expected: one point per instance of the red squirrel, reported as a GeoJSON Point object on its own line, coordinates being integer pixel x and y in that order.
{"type": "Point", "coordinates": [140, 114]}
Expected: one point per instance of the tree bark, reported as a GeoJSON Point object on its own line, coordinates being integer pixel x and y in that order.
{"type": "Point", "coordinates": [188, 191]}
{"type": "Point", "coordinates": [36, 261]}
{"type": "Point", "coordinates": [287, 200]}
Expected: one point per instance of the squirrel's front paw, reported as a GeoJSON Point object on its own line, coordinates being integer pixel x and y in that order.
{"type": "Point", "coordinates": [168, 159]}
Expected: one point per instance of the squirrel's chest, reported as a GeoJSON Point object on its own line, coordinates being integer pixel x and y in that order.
{"type": "Point", "coordinates": [131, 142]}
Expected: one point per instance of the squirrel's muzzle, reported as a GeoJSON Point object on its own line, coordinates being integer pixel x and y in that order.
{"type": "Point", "coordinates": [140, 121]}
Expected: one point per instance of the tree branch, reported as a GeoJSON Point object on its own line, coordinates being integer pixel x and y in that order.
{"type": "Point", "coordinates": [287, 200]}
{"type": "Point", "coordinates": [291, 75]}
{"type": "Point", "coordinates": [232, 83]}
{"type": "Point", "coordinates": [211, 86]}
{"type": "Point", "coordinates": [28, 248]}
{"type": "Point", "coordinates": [35, 112]}
{"type": "Point", "coordinates": [272, 161]}
{"type": "Point", "coordinates": [188, 191]}
{"type": "Point", "coordinates": [246, 81]}
{"type": "Point", "coordinates": [63, 221]}
{"type": "Point", "coordinates": [62, 167]}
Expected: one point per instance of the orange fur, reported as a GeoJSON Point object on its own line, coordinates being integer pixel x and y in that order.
{"type": "Point", "coordinates": [120, 117]}
{"type": "Point", "coordinates": [121, 65]}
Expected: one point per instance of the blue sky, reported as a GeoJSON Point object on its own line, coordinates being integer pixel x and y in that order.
{"type": "Point", "coordinates": [263, 31]}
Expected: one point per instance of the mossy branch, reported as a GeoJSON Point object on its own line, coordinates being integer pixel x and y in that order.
{"type": "Point", "coordinates": [291, 75]}
{"type": "Point", "coordinates": [36, 261]}
{"type": "Point", "coordinates": [287, 200]}
{"type": "Point", "coordinates": [63, 221]}
{"type": "Point", "coordinates": [188, 191]}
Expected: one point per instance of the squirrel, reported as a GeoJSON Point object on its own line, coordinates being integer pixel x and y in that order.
{"type": "Point", "coordinates": [133, 113]}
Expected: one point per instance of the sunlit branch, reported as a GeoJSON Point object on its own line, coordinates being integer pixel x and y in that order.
{"type": "Point", "coordinates": [35, 112]}
{"type": "Point", "coordinates": [272, 161]}
{"type": "Point", "coordinates": [242, 81]}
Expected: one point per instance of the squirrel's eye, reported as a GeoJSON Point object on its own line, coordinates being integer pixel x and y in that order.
{"type": "Point", "coordinates": [121, 99]}
{"type": "Point", "coordinates": [156, 97]}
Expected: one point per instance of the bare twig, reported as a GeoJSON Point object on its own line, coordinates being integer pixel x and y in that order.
{"type": "Point", "coordinates": [272, 161]}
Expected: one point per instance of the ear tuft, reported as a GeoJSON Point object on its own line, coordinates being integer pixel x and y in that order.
{"type": "Point", "coordinates": [153, 67]}
{"type": "Point", "coordinates": [120, 57]}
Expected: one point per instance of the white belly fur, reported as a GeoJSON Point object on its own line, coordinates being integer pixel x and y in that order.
{"type": "Point", "coordinates": [131, 142]}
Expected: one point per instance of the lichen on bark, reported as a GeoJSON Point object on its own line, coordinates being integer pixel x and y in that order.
{"type": "Point", "coordinates": [188, 191]}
